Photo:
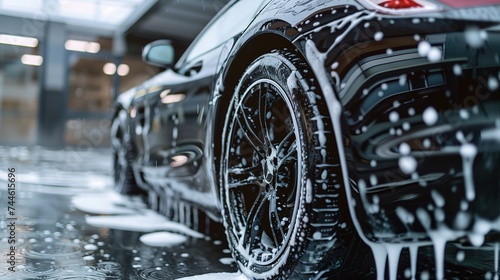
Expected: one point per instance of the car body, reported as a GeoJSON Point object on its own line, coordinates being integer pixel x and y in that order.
{"type": "Point", "coordinates": [307, 125]}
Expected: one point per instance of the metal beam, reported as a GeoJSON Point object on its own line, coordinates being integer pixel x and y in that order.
{"type": "Point", "coordinates": [138, 13]}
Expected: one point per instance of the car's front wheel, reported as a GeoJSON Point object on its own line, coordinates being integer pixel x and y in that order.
{"type": "Point", "coordinates": [280, 174]}
{"type": "Point", "coordinates": [123, 154]}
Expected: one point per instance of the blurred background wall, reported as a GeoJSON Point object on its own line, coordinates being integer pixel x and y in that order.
{"type": "Point", "coordinates": [64, 62]}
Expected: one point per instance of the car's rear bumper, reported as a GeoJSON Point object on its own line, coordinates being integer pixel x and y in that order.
{"type": "Point", "coordinates": [421, 128]}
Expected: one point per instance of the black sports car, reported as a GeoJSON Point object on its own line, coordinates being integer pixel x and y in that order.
{"type": "Point", "coordinates": [307, 125]}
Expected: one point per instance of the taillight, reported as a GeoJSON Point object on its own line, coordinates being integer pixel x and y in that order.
{"type": "Point", "coordinates": [400, 6]}
{"type": "Point", "coordinates": [469, 3]}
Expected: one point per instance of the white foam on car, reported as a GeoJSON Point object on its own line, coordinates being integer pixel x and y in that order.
{"type": "Point", "coordinates": [434, 54]}
{"type": "Point", "coordinates": [492, 83]}
{"type": "Point", "coordinates": [407, 164]}
{"type": "Point", "coordinates": [424, 48]}
{"type": "Point", "coordinates": [380, 250]}
{"type": "Point", "coordinates": [317, 60]}
{"type": "Point", "coordinates": [394, 117]}
{"type": "Point", "coordinates": [475, 37]}
{"type": "Point", "coordinates": [430, 116]}
{"type": "Point", "coordinates": [468, 152]}
{"type": "Point", "coordinates": [162, 239]}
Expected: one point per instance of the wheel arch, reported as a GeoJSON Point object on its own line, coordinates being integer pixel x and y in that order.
{"type": "Point", "coordinates": [250, 50]}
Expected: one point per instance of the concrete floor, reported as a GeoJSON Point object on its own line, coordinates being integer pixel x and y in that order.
{"type": "Point", "coordinates": [69, 225]}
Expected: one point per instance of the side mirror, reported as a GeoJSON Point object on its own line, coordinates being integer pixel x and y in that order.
{"type": "Point", "coordinates": [159, 53]}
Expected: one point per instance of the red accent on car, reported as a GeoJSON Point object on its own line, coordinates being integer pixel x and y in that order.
{"type": "Point", "coordinates": [399, 4]}
{"type": "Point", "coordinates": [469, 3]}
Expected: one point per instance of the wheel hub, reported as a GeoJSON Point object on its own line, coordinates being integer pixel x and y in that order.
{"type": "Point", "coordinates": [270, 164]}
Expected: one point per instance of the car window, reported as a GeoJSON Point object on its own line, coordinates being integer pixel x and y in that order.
{"type": "Point", "coordinates": [233, 21]}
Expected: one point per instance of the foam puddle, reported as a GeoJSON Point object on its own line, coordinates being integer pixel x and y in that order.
{"type": "Point", "coordinates": [144, 222]}
{"type": "Point", "coordinates": [65, 179]}
{"type": "Point", "coordinates": [103, 203]}
{"type": "Point", "coordinates": [126, 214]}
{"type": "Point", "coordinates": [45, 189]}
{"type": "Point", "coordinates": [217, 276]}
{"type": "Point", "coordinates": [162, 239]}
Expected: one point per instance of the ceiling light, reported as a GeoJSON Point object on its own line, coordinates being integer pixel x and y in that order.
{"type": "Point", "coordinates": [109, 68]}
{"type": "Point", "coordinates": [30, 59]}
{"type": "Point", "coordinates": [123, 70]}
{"type": "Point", "coordinates": [82, 46]}
{"type": "Point", "coordinates": [18, 40]}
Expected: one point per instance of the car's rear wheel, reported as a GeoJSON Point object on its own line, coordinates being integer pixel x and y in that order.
{"type": "Point", "coordinates": [280, 175]}
{"type": "Point", "coordinates": [123, 153]}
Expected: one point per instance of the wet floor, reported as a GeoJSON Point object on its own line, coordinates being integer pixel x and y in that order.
{"type": "Point", "coordinates": [67, 224]}
{"type": "Point", "coordinates": [58, 195]}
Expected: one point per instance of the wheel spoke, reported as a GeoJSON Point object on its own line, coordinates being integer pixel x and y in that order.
{"type": "Point", "coordinates": [276, 228]}
{"type": "Point", "coordinates": [236, 173]}
{"type": "Point", "coordinates": [290, 200]}
{"type": "Point", "coordinates": [240, 177]}
{"type": "Point", "coordinates": [285, 144]}
{"type": "Point", "coordinates": [248, 132]}
{"type": "Point", "coordinates": [253, 227]}
{"type": "Point", "coordinates": [289, 156]}
{"type": "Point", "coordinates": [235, 183]}
{"type": "Point", "coordinates": [263, 116]}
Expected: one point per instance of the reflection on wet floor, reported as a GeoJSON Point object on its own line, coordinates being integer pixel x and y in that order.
{"type": "Point", "coordinates": [88, 232]}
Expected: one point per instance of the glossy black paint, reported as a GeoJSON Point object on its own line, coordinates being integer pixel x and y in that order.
{"type": "Point", "coordinates": [357, 66]}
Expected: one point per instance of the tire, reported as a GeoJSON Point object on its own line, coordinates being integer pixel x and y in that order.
{"type": "Point", "coordinates": [123, 154]}
{"type": "Point", "coordinates": [280, 177]}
